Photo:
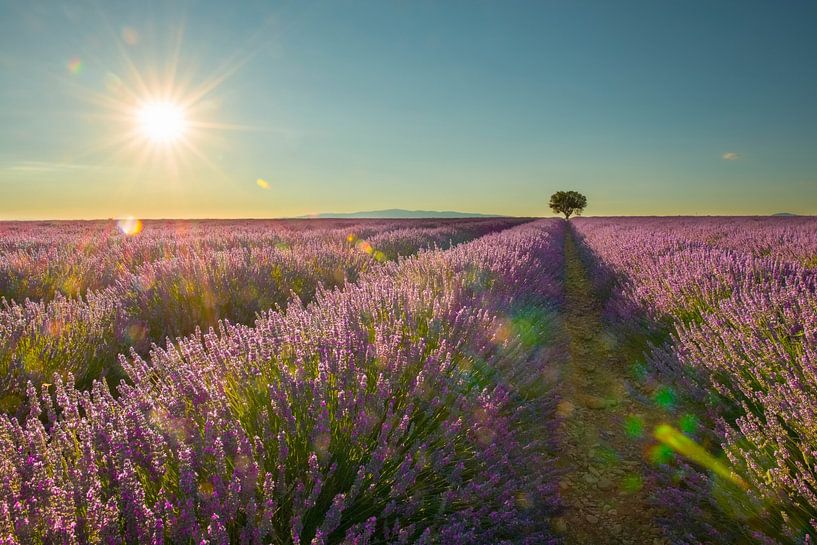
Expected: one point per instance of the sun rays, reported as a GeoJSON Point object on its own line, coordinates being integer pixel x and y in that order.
{"type": "Point", "coordinates": [155, 111]}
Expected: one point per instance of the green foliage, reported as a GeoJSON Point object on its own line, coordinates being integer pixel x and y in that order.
{"type": "Point", "coordinates": [568, 203]}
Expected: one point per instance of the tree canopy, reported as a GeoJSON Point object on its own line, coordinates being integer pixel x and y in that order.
{"type": "Point", "coordinates": [568, 203]}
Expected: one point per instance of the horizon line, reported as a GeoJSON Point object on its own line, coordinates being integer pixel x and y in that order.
{"type": "Point", "coordinates": [482, 216]}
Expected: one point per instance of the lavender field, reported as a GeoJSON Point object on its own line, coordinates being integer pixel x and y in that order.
{"type": "Point", "coordinates": [370, 272]}
{"type": "Point", "coordinates": [471, 381]}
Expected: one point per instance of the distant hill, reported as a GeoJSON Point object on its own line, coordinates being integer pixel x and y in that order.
{"type": "Point", "coordinates": [398, 213]}
{"type": "Point", "coordinates": [785, 214]}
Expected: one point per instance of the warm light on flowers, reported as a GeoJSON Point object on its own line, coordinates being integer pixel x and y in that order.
{"type": "Point", "coordinates": [179, 415]}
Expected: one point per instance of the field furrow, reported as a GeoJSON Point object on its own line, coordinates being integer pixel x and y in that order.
{"type": "Point", "coordinates": [607, 498]}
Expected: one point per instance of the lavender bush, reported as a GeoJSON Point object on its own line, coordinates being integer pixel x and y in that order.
{"type": "Point", "coordinates": [740, 299]}
{"type": "Point", "coordinates": [41, 259]}
{"type": "Point", "coordinates": [172, 278]}
{"type": "Point", "coordinates": [410, 407]}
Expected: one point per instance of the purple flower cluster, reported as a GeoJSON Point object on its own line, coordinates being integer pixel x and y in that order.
{"type": "Point", "coordinates": [739, 297]}
{"type": "Point", "coordinates": [101, 293]}
{"type": "Point", "coordinates": [410, 407]}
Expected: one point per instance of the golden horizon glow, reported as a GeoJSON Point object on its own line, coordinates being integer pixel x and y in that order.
{"type": "Point", "coordinates": [162, 122]}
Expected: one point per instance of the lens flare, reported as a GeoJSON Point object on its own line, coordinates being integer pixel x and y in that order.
{"type": "Point", "coordinates": [161, 122]}
{"type": "Point", "coordinates": [130, 36]}
{"type": "Point", "coordinates": [634, 426]}
{"type": "Point", "coordinates": [664, 398]}
{"type": "Point", "coordinates": [130, 226]}
{"type": "Point", "coordinates": [364, 247]}
{"type": "Point", "coordinates": [74, 66]}
{"type": "Point", "coordinates": [262, 183]}
{"type": "Point", "coordinates": [688, 448]}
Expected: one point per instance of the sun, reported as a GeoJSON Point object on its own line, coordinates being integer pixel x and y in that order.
{"type": "Point", "coordinates": [161, 122]}
{"type": "Point", "coordinates": [163, 117]}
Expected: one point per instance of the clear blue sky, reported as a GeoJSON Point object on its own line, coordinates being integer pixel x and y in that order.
{"type": "Point", "coordinates": [648, 107]}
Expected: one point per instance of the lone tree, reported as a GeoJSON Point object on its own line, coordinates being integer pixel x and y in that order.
{"type": "Point", "coordinates": [568, 203]}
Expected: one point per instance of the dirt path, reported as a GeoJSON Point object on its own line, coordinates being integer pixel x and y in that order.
{"type": "Point", "coordinates": [602, 437]}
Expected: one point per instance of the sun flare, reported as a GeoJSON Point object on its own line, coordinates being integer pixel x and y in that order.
{"type": "Point", "coordinates": [163, 115]}
{"type": "Point", "coordinates": [130, 226]}
{"type": "Point", "coordinates": [161, 122]}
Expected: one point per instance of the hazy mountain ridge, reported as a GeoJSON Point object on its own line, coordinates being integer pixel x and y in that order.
{"type": "Point", "coordinates": [399, 213]}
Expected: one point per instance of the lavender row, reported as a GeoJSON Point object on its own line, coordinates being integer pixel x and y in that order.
{"type": "Point", "coordinates": [408, 408]}
{"type": "Point", "coordinates": [40, 260]}
{"type": "Point", "coordinates": [171, 297]}
{"type": "Point", "coordinates": [743, 345]}
{"type": "Point", "coordinates": [788, 239]}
